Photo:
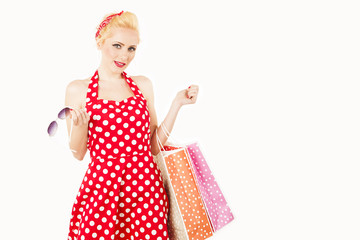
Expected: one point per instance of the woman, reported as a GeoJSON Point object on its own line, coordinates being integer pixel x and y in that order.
{"type": "Point", "coordinates": [122, 195]}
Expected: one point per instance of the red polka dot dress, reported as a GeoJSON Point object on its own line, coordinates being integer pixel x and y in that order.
{"type": "Point", "coordinates": [122, 195]}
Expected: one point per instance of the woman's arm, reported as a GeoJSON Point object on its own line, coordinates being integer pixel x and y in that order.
{"type": "Point", "coordinates": [169, 122]}
{"type": "Point", "coordinates": [186, 96]}
{"type": "Point", "coordinates": [80, 118]}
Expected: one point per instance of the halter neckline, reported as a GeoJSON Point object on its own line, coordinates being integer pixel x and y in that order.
{"type": "Point", "coordinates": [94, 85]}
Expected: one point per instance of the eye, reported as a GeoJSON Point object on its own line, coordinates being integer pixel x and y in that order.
{"type": "Point", "coordinates": [132, 49]}
{"type": "Point", "coordinates": [117, 45]}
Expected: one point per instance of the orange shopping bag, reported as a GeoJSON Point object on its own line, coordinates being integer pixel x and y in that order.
{"type": "Point", "coordinates": [187, 215]}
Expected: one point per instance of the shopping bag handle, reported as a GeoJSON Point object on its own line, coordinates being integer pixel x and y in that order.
{"type": "Point", "coordinates": [167, 134]}
{"type": "Point", "coordinates": [158, 141]}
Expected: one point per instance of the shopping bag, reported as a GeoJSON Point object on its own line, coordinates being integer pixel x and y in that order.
{"type": "Point", "coordinates": [188, 218]}
{"type": "Point", "coordinates": [218, 210]}
{"type": "Point", "coordinates": [216, 206]}
{"type": "Point", "coordinates": [175, 224]}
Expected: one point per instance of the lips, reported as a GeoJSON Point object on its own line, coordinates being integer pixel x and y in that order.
{"type": "Point", "coordinates": [119, 64]}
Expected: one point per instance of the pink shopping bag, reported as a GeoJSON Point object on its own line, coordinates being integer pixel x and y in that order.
{"type": "Point", "coordinates": [219, 212]}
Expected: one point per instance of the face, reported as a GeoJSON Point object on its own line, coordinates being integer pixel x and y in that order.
{"type": "Point", "coordinates": [119, 49]}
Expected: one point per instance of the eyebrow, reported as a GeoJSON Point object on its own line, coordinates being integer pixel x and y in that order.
{"type": "Point", "coordinates": [124, 44]}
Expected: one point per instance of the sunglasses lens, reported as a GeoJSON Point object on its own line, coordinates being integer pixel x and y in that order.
{"type": "Point", "coordinates": [52, 128]}
{"type": "Point", "coordinates": [64, 113]}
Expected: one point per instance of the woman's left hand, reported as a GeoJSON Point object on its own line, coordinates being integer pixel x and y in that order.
{"type": "Point", "coordinates": [187, 96]}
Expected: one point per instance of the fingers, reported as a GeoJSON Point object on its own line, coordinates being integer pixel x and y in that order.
{"type": "Point", "coordinates": [192, 92]}
{"type": "Point", "coordinates": [80, 116]}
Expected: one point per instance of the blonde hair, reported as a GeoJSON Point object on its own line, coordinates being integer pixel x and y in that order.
{"type": "Point", "coordinates": [125, 20]}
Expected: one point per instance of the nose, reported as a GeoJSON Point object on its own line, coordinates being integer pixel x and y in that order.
{"type": "Point", "coordinates": [123, 57]}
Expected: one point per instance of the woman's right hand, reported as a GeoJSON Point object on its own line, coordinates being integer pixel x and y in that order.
{"type": "Point", "coordinates": [80, 117]}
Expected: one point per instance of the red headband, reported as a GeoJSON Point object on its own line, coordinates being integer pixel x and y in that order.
{"type": "Point", "coordinates": [105, 22]}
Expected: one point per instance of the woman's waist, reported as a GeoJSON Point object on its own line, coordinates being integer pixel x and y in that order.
{"type": "Point", "coordinates": [96, 156]}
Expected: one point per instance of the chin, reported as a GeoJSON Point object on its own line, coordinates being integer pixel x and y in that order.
{"type": "Point", "coordinates": [119, 70]}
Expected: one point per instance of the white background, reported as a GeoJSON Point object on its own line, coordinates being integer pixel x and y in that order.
{"type": "Point", "coordinates": [277, 113]}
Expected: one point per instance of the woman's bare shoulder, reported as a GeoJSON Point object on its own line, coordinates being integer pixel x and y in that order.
{"type": "Point", "coordinates": [76, 91]}
{"type": "Point", "coordinates": [144, 84]}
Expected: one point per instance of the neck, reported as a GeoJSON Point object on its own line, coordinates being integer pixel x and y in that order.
{"type": "Point", "coordinates": [105, 74]}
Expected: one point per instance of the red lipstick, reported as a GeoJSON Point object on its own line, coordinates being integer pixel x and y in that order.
{"type": "Point", "coordinates": [119, 64]}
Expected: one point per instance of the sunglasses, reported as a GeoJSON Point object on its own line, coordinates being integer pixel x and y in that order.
{"type": "Point", "coordinates": [53, 126]}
